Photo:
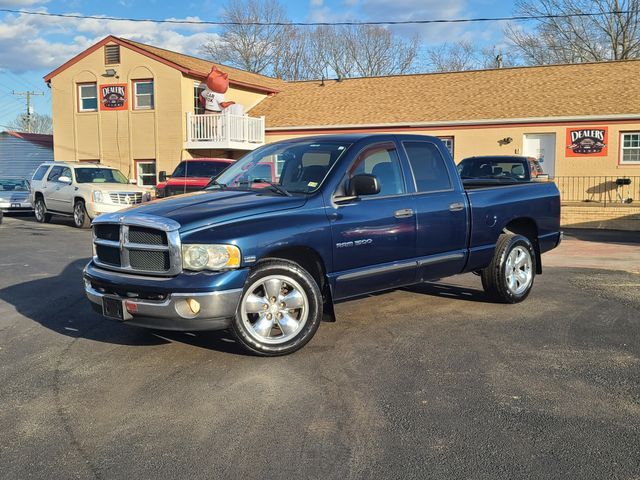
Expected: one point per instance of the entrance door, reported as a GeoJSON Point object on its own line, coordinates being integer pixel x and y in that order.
{"type": "Point", "coordinates": [542, 146]}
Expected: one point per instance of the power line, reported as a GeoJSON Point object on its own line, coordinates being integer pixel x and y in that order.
{"type": "Point", "coordinates": [516, 18]}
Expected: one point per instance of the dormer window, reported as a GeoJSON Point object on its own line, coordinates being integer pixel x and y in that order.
{"type": "Point", "coordinates": [111, 54]}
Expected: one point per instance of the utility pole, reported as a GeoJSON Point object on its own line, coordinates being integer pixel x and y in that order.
{"type": "Point", "coordinates": [28, 94]}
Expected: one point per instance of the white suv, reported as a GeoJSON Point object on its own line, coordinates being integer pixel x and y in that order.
{"type": "Point", "coordinates": [82, 190]}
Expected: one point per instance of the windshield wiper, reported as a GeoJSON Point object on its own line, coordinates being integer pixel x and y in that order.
{"type": "Point", "coordinates": [278, 188]}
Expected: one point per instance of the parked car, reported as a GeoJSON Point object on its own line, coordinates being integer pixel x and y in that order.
{"type": "Point", "coordinates": [14, 195]}
{"type": "Point", "coordinates": [502, 168]}
{"type": "Point", "coordinates": [190, 176]}
{"type": "Point", "coordinates": [347, 215]}
{"type": "Point", "coordinates": [81, 190]}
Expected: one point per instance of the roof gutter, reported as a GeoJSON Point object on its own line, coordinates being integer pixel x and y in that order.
{"type": "Point", "coordinates": [463, 123]}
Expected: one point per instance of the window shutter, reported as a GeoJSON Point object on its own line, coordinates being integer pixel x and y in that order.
{"type": "Point", "coordinates": [111, 54]}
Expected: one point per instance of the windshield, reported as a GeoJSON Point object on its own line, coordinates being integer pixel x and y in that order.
{"type": "Point", "coordinates": [199, 169]}
{"type": "Point", "coordinates": [100, 175]}
{"type": "Point", "coordinates": [494, 168]}
{"type": "Point", "coordinates": [13, 185]}
{"type": "Point", "coordinates": [295, 167]}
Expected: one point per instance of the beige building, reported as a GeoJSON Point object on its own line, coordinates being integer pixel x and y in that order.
{"type": "Point", "coordinates": [579, 120]}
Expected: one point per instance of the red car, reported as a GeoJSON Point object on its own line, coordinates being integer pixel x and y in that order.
{"type": "Point", "coordinates": [190, 176]}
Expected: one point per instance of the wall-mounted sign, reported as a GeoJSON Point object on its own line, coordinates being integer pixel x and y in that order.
{"type": "Point", "coordinates": [587, 142]}
{"type": "Point", "coordinates": [113, 97]}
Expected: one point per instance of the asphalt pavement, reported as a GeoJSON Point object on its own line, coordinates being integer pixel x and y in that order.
{"type": "Point", "coordinates": [433, 381]}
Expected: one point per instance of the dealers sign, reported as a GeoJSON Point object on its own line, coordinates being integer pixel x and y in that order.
{"type": "Point", "coordinates": [587, 142]}
{"type": "Point", "coordinates": [113, 97]}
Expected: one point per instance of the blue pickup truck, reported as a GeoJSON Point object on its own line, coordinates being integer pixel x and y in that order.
{"type": "Point", "coordinates": [339, 217]}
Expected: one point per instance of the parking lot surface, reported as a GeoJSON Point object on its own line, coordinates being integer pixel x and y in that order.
{"type": "Point", "coordinates": [428, 382]}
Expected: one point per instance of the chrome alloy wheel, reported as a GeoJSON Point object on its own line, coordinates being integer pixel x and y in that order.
{"type": "Point", "coordinates": [274, 309]}
{"type": "Point", "coordinates": [39, 210]}
{"type": "Point", "coordinates": [518, 270]}
{"type": "Point", "coordinates": [78, 213]}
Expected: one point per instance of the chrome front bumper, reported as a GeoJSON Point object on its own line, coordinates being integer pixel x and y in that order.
{"type": "Point", "coordinates": [216, 309]}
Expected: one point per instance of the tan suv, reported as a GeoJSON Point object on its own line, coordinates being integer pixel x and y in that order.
{"type": "Point", "coordinates": [82, 190]}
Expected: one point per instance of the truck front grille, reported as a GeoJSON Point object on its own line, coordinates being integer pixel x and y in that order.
{"type": "Point", "coordinates": [126, 198]}
{"type": "Point", "coordinates": [137, 248]}
{"type": "Point", "coordinates": [148, 236]}
{"type": "Point", "coordinates": [146, 260]}
{"type": "Point", "coordinates": [109, 255]}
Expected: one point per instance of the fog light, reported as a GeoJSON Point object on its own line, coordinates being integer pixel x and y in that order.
{"type": "Point", "coordinates": [131, 307]}
{"type": "Point", "coordinates": [194, 305]}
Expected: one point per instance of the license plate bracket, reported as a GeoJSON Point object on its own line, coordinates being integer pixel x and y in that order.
{"type": "Point", "coordinates": [113, 308]}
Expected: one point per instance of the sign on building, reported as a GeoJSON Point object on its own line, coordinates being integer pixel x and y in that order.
{"type": "Point", "coordinates": [113, 97]}
{"type": "Point", "coordinates": [587, 142]}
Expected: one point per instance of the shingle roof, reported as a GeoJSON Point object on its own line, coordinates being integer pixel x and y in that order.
{"type": "Point", "coordinates": [606, 88]}
{"type": "Point", "coordinates": [199, 65]}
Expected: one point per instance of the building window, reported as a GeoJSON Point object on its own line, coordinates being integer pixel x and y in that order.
{"type": "Point", "coordinates": [630, 152]}
{"type": "Point", "coordinates": [143, 93]}
{"type": "Point", "coordinates": [198, 109]}
{"type": "Point", "coordinates": [111, 54]}
{"type": "Point", "coordinates": [448, 142]}
{"type": "Point", "coordinates": [146, 172]}
{"type": "Point", "coordinates": [88, 97]}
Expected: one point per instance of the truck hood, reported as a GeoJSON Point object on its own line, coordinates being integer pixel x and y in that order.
{"type": "Point", "coordinates": [116, 187]}
{"type": "Point", "coordinates": [203, 208]}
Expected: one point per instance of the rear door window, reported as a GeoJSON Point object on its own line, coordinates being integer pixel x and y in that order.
{"type": "Point", "coordinates": [429, 168]}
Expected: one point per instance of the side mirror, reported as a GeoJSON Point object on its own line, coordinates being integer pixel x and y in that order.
{"type": "Point", "coordinates": [64, 179]}
{"type": "Point", "coordinates": [363, 184]}
{"type": "Point", "coordinates": [162, 176]}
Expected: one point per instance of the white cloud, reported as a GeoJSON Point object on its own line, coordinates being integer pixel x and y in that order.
{"type": "Point", "coordinates": [30, 43]}
{"type": "Point", "coordinates": [316, 3]}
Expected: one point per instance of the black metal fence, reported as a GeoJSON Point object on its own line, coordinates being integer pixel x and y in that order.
{"type": "Point", "coordinates": [613, 191]}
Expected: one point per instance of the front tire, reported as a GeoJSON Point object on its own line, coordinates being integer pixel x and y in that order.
{"type": "Point", "coordinates": [510, 275]}
{"type": "Point", "coordinates": [280, 309]}
{"type": "Point", "coordinates": [80, 216]}
{"type": "Point", "coordinates": [40, 211]}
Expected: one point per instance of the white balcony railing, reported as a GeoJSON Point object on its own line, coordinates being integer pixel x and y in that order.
{"type": "Point", "coordinates": [224, 131]}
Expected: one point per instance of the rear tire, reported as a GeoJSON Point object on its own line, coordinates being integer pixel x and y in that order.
{"type": "Point", "coordinates": [40, 211]}
{"type": "Point", "coordinates": [280, 309]}
{"type": "Point", "coordinates": [509, 277]}
{"type": "Point", "coordinates": [80, 216]}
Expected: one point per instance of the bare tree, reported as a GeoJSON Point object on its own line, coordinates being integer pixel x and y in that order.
{"type": "Point", "coordinates": [463, 55]}
{"type": "Point", "coordinates": [34, 123]}
{"type": "Point", "coordinates": [612, 35]}
{"type": "Point", "coordinates": [244, 43]}
{"type": "Point", "coordinates": [453, 57]}
{"type": "Point", "coordinates": [299, 53]}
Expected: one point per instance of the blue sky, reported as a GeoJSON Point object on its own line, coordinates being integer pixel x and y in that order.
{"type": "Point", "coordinates": [32, 46]}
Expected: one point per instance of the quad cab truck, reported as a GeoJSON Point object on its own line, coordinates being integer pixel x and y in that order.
{"type": "Point", "coordinates": [343, 216]}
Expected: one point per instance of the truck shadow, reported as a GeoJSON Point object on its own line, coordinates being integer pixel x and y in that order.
{"type": "Point", "coordinates": [450, 291]}
{"type": "Point", "coordinates": [59, 304]}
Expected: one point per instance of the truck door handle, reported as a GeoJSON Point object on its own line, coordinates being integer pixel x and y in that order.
{"type": "Point", "coordinates": [403, 213]}
{"type": "Point", "coordinates": [456, 207]}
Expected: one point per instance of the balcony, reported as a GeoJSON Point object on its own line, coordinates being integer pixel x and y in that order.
{"type": "Point", "coordinates": [224, 131]}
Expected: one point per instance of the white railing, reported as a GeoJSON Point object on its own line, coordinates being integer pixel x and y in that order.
{"type": "Point", "coordinates": [224, 130]}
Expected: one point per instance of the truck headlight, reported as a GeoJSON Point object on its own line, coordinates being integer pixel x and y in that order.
{"type": "Point", "coordinates": [210, 257]}
{"type": "Point", "coordinates": [97, 196]}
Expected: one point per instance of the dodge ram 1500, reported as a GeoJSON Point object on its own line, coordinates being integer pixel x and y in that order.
{"type": "Point", "coordinates": [339, 217]}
